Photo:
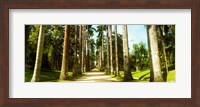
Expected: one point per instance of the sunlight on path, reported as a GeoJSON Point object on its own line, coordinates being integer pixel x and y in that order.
{"type": "Point", "coordinates": [96, 76]}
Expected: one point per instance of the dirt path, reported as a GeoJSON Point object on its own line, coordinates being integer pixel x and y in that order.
{"type": "Point", "coordinates": [96, 76]}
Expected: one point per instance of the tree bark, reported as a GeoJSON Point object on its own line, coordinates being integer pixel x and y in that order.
{"type": "Point", "coordinates": [116, 53]}
{"type": "Point", "coordinates": [83, 45]}
{"type": "Point", "coordinates": [108, 56]}
{"type": "Point", "coordinates": [151, 66]}
{"type": "Point", "coordinates": [111, 59]}
{"type": "Point", "coordinates": [99, 56]}
{"type": "Point", "coordinates": [164, 53]}
{"type": "Point", "coordinates": [64, 68]}
{"type": "Point", "coordinates": [155, 54]}
{"type": "Point", "coordinates": [75, 66]}
{"type": "Point", "coordinates": [90, 62]}
{"type": "Point", "coordinates": [127, 72]}
{"type": "Point", "coordinates": [38, 60]}
{"type": "Point", "coordinates": [102, 48]}
{"type": "Point", "coordinates": [84, 49]}
{"type": "Point", "coordinates": [80, 48]}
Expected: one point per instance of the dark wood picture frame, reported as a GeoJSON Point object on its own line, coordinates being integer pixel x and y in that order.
{"type": "Point", "coordinates": [5, 5]}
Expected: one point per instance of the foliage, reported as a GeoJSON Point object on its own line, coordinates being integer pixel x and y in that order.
{"type": "Point", "coordinates": [139, 57]}
{"type": "Point", "coordinates": [53, 51]}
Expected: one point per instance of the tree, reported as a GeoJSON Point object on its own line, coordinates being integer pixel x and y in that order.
{"type": "Point", "coordinates": [107, 52]}
{"type": "Point", "coordinates": [111, 58]}
{"type": "Point", "coordinates": [127, 71]}
{"type": "Point", "coordinates": [102, 45]}
{"type": "Point", "coordinates": [139, 56]}
{"type": "Point", "coordinates": [80, 48]}
{"type": "Point", "coordinates": [75, 67]}
{"type": "Point", "coordinates": [164, 52]}
{"type": "Point", "coordinates": [154, 54]}
{"type": "Point", "coordinates": [38, 61]}
{"type": "Point", "coordinates": [116, 53]}
{"type": "Point", "coordinates": [64, 69]}
{"type": "Point", "coordinates": [90, 33]}
{"type": "Point", "coordinates": [83, 65]}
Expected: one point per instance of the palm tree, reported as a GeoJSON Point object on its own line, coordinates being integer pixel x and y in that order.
{"type": "Point", "coordinates": [64, 68]}
{"type": "Point", "coordinates": [107, 50]}
{"type": "Point", "coordinates": [154, 54]}
{"type": "Point", "coordinates": [38, 60]}
{"type": "Point", "coordinates": [110, 35]}
{"type": "Point", "coordinates": [127, 72]}
{"type": "Point", "coordinates": [80, 48]}
{"type": "Point", "coordinates": [83, 49]}
{"type": "Point", "coordinates": [102, 45]}
{"type": "Point", "coordinates": [90, 33]}
{"type": "Point", "coordinates": [116, 53]}
{"type": "Point", "coordinates": [164, 52]}
{"type": "Point", "coordinates": [75, 67]}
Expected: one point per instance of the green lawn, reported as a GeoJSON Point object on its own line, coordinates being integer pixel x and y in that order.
{"type": "Point", "coordinates": [51, 76]}
{"type": "Point", "coordinates": [171, 76]}
{"type": "Point", "coordinates": [144, 76]}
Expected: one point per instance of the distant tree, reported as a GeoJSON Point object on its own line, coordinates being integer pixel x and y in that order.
{"type": "Point", "coordinates": [139, 56]}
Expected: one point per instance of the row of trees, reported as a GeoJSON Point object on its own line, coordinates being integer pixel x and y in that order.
{"type": "Point", "coordinates": [76, 50]}
{"type": "Point", "coordinates": [159, 56]}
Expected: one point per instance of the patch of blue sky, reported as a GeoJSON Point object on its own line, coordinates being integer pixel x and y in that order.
{"type": "Point", "coordinates": [136, 34]}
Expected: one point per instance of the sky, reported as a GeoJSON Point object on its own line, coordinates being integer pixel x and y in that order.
{"type": "Point", "coordinates": [136, 34]}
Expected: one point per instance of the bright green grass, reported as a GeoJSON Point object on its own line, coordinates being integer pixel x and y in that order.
{"type": "Point", "coordinates": [51, 76]}
{"type": "Point", "coordinates": [144, 76]}
{"type": "Point", "coordinates": [171, 76]}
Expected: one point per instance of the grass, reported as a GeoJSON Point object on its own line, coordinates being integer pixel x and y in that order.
{"type": "Point", "coordinates": [49, 76]}
{"type": "Point", "coordinates": [144, 76]}
{"type": "Point", "coordinates": [53, 76]}
{"type": "Point", "coordinates": [171, 76]}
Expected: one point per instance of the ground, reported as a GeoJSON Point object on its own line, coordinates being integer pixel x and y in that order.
{"type": "Point", "coordinates": [96, 76]}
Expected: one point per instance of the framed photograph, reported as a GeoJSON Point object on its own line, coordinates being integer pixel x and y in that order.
{"type": "Point", "coordinates": [58, 53]}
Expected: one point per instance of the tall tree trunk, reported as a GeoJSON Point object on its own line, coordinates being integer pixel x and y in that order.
{"type": "Point", "coordinates": [108, 56]}
{"type": "Point", "coordinates": [155, 54]}
{"type": "Point", "coordinates": [102, 48]}
{"type": "Point", "coordinates": [90, 62]}
{"type": "Point", "coordinates": [64, 68]}
{"type": "Point", "coordinates": [164, 53]}
{"type": "Point", "coordinates": [100, 57]}
{"type": "Point", "coordinates": [84, 49]}
{"type": "Point", "coordinates": [110, 35]}
{"type": "Point", "coordinates": [151, 66]}
{"type": "Point", "coordinates": [88, 50]}
{"type": "Point", "coordinates": [127, 72]}
{"type": "Point", "coordinates": [80, 48]}
{"type": "Point", "coordinates": [88, 54]}
{"type": "Point", "coordinates": [38, 61]}
{"type": "Point", "coordinates": [75, 66]}
{"type": "Point", "coordinates": [116, 53]}
{"type": "Point", "coordinates": [82, 56]}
